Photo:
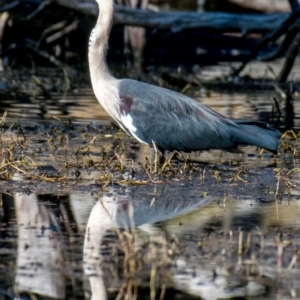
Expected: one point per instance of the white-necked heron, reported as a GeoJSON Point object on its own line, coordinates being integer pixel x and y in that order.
{"type": "Point", "coordinates": [157, 115]}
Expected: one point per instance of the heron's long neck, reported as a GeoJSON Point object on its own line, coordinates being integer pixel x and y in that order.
{"type": "Point", "coordinates": [98, 41]}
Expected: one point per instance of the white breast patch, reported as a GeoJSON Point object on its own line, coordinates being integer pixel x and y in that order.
{"type": "Point", "coordinates": [128, 122]}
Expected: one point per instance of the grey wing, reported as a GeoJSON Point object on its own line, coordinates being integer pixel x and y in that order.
{"type": "Point", "coordinates": [173, 121]}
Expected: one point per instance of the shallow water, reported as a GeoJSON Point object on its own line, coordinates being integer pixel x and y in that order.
{"type": "Point", "coordinates": [48, 94]}
{"type": "Point", "coordinates": [46, 248]}
{"type": "Point", "coordinates": [81, 218]}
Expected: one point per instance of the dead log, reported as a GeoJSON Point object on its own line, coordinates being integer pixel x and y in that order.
{"type": "Point", "coordinates": [214, 24]}
{"type": "Point", "coordinates": [290, 59]}
{"type": "Point", "coordinates": [286, 27]}
{"type": "Point", "coordinates": [88, 7]}
{"type": "Point", "coordinates": [269, 6]}
{"type": "Point", "coordinates": [214, 21]}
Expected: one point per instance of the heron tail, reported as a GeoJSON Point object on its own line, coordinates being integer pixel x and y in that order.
{"type": "Point", "coordinates": [258, 134]}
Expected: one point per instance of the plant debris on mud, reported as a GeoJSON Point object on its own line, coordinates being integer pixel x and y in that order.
{"type": "Point", "coordinates": [58, 154]}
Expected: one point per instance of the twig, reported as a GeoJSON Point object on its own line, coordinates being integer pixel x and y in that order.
{"type": "Point", "coordinates": [2, 120]}
{"type": "Point", "coordinates": [63, 32]}
{"type": "Point", "coordinates": [39, 9]}
{"type": "Point", "coordinates": [290, 59]}
{"type": "Point", "coordinates": [272, 36]}
{"type": "Point", "coordinates": [9, 6]}
{"type": "Point", "coordinates": [294, 4]}
{"type": "Point", "coordinates": [283, 47]}
{"type": "Point", "coordinates": [156, 156]}
{"type": "Point", "coordinates": [152, 281]}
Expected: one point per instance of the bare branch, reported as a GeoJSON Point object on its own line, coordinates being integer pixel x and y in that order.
{"type": "Point", "coordinates": [294, 4]}
{"type": "Point", "coordinates": [290, 59]}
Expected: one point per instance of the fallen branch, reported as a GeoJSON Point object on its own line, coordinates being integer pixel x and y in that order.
{"type": "Point", "coordinates": [216, 21]}
{"type": "Point", "coordinates": [263, 5]}
{"type": "Point", "coordinates": [290, 59]}
{"type": "Point", "coordinates": [272, 36]}
{"type": "Point", "coordinates": [283, 47]}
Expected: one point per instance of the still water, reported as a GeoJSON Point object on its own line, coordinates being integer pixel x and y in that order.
{"type": "Point", "coordinates": [51, 93]}
{"type": "Point", "coordinates": [83, 215]}
{"type": "Point", "coordinates": [131, 245]}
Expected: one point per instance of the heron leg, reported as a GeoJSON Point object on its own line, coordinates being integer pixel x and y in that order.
{"type": "Point", "coordinates": [162, 157]}
{"type": "Point", "coordinates": [158, 154]}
